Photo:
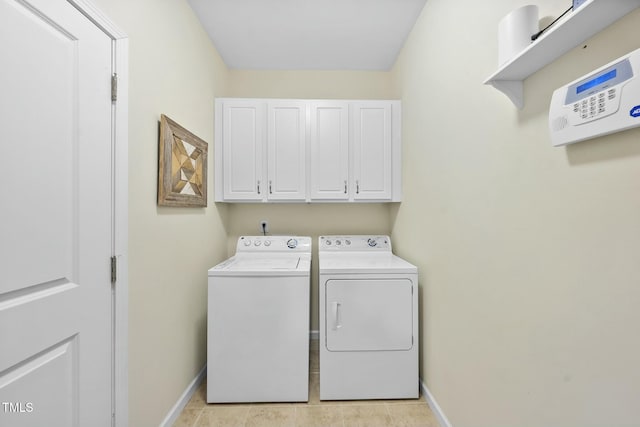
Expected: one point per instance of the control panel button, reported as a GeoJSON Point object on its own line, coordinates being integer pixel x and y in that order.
{"type": "Point", "coordinates": [338, 242]}
{"type": "Point", "coordinates": [347, 242]}
{"type": "Point", "coordinates": [247, 242]}
{"type": "Point", "coordinates": [292, 243]}
{"type": "Point", "coordinates": [267, 242]}
{"type": "Point", "coordinates": [372, 242]}
{"type": "Point", "coordinates": [257, 243]}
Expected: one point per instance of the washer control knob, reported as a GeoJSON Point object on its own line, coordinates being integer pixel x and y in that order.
{"type": "Point", "coordinates": [267, 242]}
{"type": "Point", "coordinates": [327, 242]}
{"type": "Point", "coordinates": [247, 242]}
{"type": "Point", "coordinates": [347, 242]}
{"type": "Point", "coordinates": [292, 243]}
{"type": "Point", "coordinates": [372, 242]}
{"type": "Point", "coordinates": [257, 243]}
{"type": "Point", "coordinates": [338, 242]}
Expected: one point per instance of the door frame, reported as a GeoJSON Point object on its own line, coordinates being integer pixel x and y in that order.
{"type": "Point", "coordinates": [120, 213]}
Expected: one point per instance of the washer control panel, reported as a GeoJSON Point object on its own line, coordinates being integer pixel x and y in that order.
{"type": "Point", "coordinates": [274, 244]}
{"type": "Point", "coordinates": [373, 243]}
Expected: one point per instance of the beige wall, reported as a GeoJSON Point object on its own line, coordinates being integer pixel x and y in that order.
{"type": "Point", "coordinates": [528, 254]}
{"type": "Point", "coordinates": [310, 84]}
{"type": "Point", "coordinates": [174, 70]}
{"type": "Point", "coordinates": [309, 219]}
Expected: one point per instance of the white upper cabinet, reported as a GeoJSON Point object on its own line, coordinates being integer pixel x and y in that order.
{"type": "Point", "coordinates": [307, 151]}
{"type": "Point", "coordinates": [371, 150]}
{"type": "Point", "coordinates": [260, 150]}
{"type": "Point", "coordinates": [242, 147]}
{"type": "Point", "coordinates": [286, 150]}
{"type": "Point", "coordinates": [329, 160]}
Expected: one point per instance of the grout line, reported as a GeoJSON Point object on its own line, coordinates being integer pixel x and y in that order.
{"type": "Point", "coordinates": [195, 422]}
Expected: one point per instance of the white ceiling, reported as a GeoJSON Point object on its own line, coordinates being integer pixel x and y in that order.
{"type": "Point", "coordinates": [308, 34]}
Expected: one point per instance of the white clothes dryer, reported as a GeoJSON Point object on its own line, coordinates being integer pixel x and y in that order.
{"type": "Point", "coordinates": [368, 320]}
{"type": "Point", "coordinates": [258, 322]}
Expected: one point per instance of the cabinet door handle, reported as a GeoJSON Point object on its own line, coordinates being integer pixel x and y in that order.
{"type": "Point", "coordinates": [345, 186]}
{"type": "Point", "coordinates": [270, 192]}
{"type": "Point", "coordinates": [258, 186]}
{"type": "Point", "coordinates": [357, 186]}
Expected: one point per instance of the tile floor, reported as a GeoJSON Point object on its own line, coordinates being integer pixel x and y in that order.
{"type": "Point", "coordinates": [315, 413]}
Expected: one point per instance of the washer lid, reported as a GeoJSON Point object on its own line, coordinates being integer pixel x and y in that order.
{"type": "Point", "coordinates": [264, 265]}
{"type": "Point", "coordinates": [363, 263]}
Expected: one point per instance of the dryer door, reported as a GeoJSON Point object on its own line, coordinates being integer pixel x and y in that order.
{"type": "Point", "coordinates": [369, 314]}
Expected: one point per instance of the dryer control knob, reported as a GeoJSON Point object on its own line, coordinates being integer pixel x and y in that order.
{"type": "Point", "coordinates": [247, 242]}
{"type": "Point", "coordinates": [372, 242]}
{"type": "Point", "coordinates": [267, 242]}
{"type": "Point", "coordinates": [257, 243]}
{"type": "Point", "coordinates": [292, 243]}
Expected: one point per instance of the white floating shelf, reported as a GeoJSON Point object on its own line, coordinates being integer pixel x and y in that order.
{"type": "Point", "coordinates": [589, 19]}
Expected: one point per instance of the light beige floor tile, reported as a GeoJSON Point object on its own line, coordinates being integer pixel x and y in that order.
{"type": "Point", "coordinates": [368, 402]}
{"type": "Point", "coordinates": [187, 417]}
{"type": "Point", "coordinates": [314, 361]}
{"type": "Point", "coordinates": [201, 393]}
{"type": "Point", "coordinates": [314, 389]}
{"type": "Point", "coordinates": [420, 401]}
{"type": "Point", "coordinates": [366, 416]}
{"type": "Point", "coordinates": [196, 402]}
{"type": "Point", "coordinates": [270, 416]}
{"type": "Point", "coordinates": [318, 416]}
{"type": "Point", "coordinates": [412, 416]}
{"type": "Point", "coordinates": [223, 416]}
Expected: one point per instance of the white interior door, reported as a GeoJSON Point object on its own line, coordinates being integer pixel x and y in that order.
{"type": "Point", "coordinates": [369, 314]}
{"type": "Point", "coordinates": [56, 230]}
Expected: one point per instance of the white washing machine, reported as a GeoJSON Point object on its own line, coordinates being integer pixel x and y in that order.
{"type": "Point", "coordinates": [258, 322]}
{"type": "Point", "coordinates": [368, 320]}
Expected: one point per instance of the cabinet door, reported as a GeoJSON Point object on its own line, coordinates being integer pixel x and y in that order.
{"type": "Point", "coordinates": [329, 150]}
{"type": "Point", "coordinates": [372, 150]}
{"type": "Point", "coordinates": [242, 145]}
{"type": "Point", "coordinates": [286, 150]}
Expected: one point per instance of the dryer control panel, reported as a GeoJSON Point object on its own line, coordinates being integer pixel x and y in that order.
{"type": "Point", "coordinates": [370, 243]}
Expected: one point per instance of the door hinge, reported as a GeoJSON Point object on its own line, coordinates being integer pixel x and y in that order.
{"type": "Point", "coordinates": [114, 270]}
{"type": "Point", "coordinates": [114, 87]}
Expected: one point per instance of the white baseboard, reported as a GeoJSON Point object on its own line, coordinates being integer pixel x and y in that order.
{"type": "Point", "coordinates": [435, 408]}
{"type": "Point", "coordinates": [177, 409]}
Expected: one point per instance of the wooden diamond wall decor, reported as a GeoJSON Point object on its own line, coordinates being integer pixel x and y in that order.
{"type": "Point", "coordinates": [182, 166]}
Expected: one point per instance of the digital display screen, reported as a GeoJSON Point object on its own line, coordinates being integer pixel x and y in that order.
{"type": "Point", "coordinates": [596, 81]}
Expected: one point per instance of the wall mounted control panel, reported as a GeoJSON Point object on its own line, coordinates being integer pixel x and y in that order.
{"type": "Point", "coordinates": [600, 103]}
